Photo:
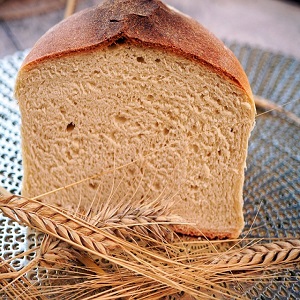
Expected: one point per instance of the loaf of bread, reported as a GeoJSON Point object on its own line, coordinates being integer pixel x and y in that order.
{"type": "Point", "coordinates": [134, 83]}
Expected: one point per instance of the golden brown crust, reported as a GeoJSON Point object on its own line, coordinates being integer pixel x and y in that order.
{"type": "Point", "coordinates": [146, 22]}
{"type": "Point", "coordinates": [210, 234]}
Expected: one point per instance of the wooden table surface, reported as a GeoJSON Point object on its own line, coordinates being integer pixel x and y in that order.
{"type": "Point", "coordinates": [269, 24]}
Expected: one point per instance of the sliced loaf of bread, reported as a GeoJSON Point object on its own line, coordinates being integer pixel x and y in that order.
{"type": "Point", "coordinates": [136, 83]}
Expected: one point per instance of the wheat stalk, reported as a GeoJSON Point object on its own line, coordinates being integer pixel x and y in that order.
{"type": "Point", "coordinates": [262, 255]}
{"type": "Point", "coordinates": [144, 221]}
{"type": "Point", "coordinates": [56, 223]}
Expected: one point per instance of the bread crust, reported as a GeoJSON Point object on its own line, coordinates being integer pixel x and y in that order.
{"type": "Point", "coordinates": [148, 23]}
{"type": "Point", "coordinates": [210, 234]}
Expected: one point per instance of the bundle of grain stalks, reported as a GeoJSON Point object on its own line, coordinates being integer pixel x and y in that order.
{"type": "Point", "coordinates": [132, 252]}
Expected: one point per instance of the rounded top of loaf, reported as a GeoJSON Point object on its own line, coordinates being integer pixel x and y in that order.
{"type": "Point", "coordinates": [148, 23]}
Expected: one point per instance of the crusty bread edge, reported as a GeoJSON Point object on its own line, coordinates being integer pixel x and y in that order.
{"type": "Point", "coordinates": [155, 26]}
{"type": "Point", "coordinates": [210, 234]}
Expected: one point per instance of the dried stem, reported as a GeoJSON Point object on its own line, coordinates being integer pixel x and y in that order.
{"type": "Point", "coordinates": [70, 8]}
{"type": "Point", "coordinates": [262, 255]}
{"type": "Point", "coordinates": [271, 106]}
{"type": "Point", "coordinates": [20, 287]}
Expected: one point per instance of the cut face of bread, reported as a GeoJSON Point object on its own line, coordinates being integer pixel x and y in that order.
{"type": "Point", "coordinates": [148, 98]}
{"type": "Point", "coordinates": [178, 127]}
